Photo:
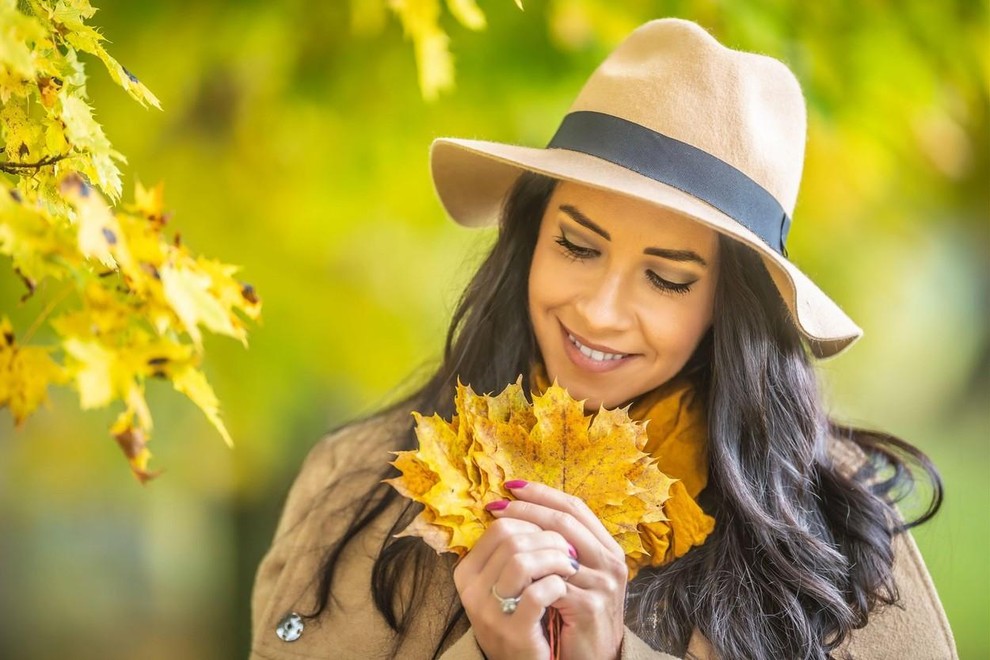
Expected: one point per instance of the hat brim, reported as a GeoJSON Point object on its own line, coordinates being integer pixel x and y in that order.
{"type": "Point", "coordinates": [472, 177]}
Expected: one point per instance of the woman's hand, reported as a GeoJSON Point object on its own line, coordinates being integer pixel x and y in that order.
{"type": "Point", "coordinates": [517, 559]}
{"type": "Point", "coordinates": [530, 551]}
{"type": "Point", "coordinates": [593, 604]}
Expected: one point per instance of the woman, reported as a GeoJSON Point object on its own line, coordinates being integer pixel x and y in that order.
{"type": "Point", "coordinates": [640, 261]}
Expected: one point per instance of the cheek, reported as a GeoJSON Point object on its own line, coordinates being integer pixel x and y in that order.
{"type": "Point", "coordinates": [698, 320]}
{"type": "Point", "coordinates": [546, 284]}
{"type": "Point", "coordinates": [676, 329]}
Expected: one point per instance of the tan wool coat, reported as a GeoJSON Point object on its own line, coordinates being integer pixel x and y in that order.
{"type": "Point", "coordinates": [916, 627]}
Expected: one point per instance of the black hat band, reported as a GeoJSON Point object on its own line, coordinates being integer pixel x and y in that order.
{"type": "Point", "coordinates": [678, 164]}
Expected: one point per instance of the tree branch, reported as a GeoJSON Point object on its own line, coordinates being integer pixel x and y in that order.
{"type": "Point", "coordinates": [16, 168]}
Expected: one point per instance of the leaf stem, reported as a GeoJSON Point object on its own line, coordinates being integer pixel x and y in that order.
{"type": "Point", "coordinates": [46, 312]}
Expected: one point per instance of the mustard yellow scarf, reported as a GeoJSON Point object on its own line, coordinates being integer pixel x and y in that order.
{"type": "Point", "coordinates": [678, 439]}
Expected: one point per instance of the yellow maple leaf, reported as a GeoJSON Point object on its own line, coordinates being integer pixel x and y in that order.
{"type": "Point", "coordinates": [19, 30]}
{"type": "Point", "coordinates": [87, 136]}
{"type": "Point", "coordinates": [25, 373]}
{"type": "Point", "coordinates": [150, 202]}
{"type": "Point", "coordinates": [100, 236]}
{"type": "Point", "coordinates": [193, 384]}
{"type": "Point", "coordinates": [38, 247]}
{"type": "Point", "coordinates": [98, 374]}
{"type": "Point", "coordinates": [68, 19]}
{"type": "Point", "coordinates": [188, 291]}
{"type": "Point", "coordinates": [461, 465]}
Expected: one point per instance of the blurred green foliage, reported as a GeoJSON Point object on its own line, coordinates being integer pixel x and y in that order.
{"type": "Point", "coordinates": [294, 143]}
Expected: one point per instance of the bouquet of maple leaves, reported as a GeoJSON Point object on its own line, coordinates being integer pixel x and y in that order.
{"type": "Point", "coordinates": [462, 464]}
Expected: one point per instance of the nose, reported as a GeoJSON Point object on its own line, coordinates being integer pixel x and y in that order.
{"type": "Point", "coordinates": [606, 306]}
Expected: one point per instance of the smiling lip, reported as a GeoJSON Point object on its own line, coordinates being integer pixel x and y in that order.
{"type": "Point", "coordinates": [589, 363]}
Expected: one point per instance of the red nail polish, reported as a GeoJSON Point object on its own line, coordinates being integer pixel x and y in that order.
{"type": "Point", "coordinates": [497, 505]}
{"type": "Point", "coordinates": [571, 551]}
{"type": "Point", "coordinates": [515, 483]}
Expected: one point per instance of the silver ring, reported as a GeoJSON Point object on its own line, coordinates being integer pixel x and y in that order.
{"type": "Point", "coordinates": [509, 605]}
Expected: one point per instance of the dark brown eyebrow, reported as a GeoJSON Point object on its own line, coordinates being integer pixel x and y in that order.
{"type": "Point", "coordinates": [672, 255]}
{"type": "Point", "coordinates": [676, 255]}
{"type": "Point", "coordinates": [584, 221]}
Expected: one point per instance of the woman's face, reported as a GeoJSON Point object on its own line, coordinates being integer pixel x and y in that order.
{"type": "Point", "coordinates": [620, 293]}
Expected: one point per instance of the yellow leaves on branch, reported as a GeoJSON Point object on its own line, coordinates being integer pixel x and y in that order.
{"type": "Point", "coordinates": [421, 22]}
{"type": "Point", "coordinates": [461, 466]}
{"type": "Point", "coordinates": [45, 117]}
{"type": "Point", "coordinates": [68, 18]}
{"type": "Point", "coordinates": [140, 296]}
{"type": "Point", "coordinates": [131, 304]}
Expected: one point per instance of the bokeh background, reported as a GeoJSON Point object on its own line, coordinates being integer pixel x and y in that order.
{"type": "Point", "coordinates": [294, 142]}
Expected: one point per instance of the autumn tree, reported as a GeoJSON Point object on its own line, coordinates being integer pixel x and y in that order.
{"type": "Point", "coordinates": [125, 302]}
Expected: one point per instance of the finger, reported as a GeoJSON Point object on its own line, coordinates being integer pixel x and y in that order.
{"type": "Point", "coordinates": [590, 550]}
{"type": "Point", "coordinates": [541, 539]}
{"type": "Point", "coordinates": [521, 569]}
{"type": "Point", "coordinates": [585, 578]}
{"type": "Point", "coordinates": [519, 544]}
{"type": "Point", "coordinates": [474, 561]}
{"type": "Point", "coordinates": [537, 597]}
{"type": "Point", "coordinates": [552, 498]}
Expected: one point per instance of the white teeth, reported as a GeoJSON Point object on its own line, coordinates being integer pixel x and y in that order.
{"type": "Point", "coordinates": [598, 356]}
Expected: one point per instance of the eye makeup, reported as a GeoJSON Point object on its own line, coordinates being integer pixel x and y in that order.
{"type": "Point", "coordinates": [666, 286]}
{"type": "Point", "coordinates": [576, 252]}
{"type": "Point", "coordinates": [573, 250]}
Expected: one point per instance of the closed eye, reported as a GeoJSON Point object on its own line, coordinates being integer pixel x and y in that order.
{"type": "Point", "coordinates": [574, 251]}
{"type": "Point", "coordinates": [666, 286]}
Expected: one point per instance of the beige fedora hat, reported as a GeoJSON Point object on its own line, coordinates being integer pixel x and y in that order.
{"type": "Point", "coordinates": [674, 118]}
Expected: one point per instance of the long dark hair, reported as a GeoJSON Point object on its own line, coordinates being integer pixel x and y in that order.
{"type": "Point", "coordinates": [801, 552]}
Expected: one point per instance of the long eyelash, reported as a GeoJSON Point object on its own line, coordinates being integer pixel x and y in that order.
{"type": "Point", "coordinates": [579, 253]}
{"type": "Point", "coordinates": [573, 251]}
{"type": "Point", "coordinates": [667, 286]}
